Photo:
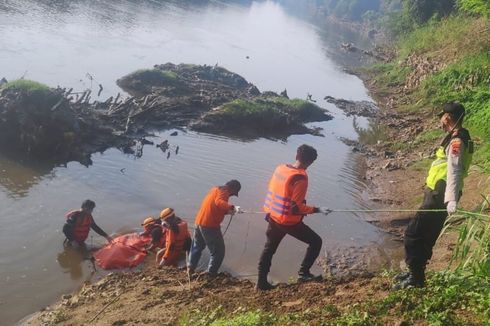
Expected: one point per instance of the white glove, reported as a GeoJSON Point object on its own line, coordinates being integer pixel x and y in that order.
{"type": "Point", "coordinates": [237, 210]}
{"type": "Point", "coordinates": [452, 207]}
{"type": "Point", "coordinates": [324, 210]}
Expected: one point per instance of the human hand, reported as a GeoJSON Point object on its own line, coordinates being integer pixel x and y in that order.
{"type": "Point", "coordinates": [452, 207]}
{"type": "Point", "coordinates": [324, 210]}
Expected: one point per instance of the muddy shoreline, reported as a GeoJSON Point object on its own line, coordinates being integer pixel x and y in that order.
{"type": "Point", "coordinates": [162, 297]}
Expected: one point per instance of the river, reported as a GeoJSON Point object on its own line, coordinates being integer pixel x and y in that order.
{"type": "Point", "coordinates": [82, 43]}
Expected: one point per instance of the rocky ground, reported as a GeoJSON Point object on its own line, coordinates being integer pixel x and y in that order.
{"type": "Point", "coordinates": [166, 297]}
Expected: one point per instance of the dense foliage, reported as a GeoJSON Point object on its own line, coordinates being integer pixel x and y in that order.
{"type": "Point", "coordinates": [481, 7]}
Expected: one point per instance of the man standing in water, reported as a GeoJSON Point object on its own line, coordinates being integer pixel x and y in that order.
{"type": "Point", "coordinates": [78, 225]}
{"type": "Point", "coordinates": [285, 208]}
{"type": "Point", "coordinates": [443, 190]}
{"type": "Point", "coordinates": [213, 209]}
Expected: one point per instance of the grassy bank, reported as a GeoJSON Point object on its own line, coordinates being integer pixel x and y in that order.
{"type": "Point", "coordinates": [445, 60]}
{"type": "Point", "coordinates": [448, 299]}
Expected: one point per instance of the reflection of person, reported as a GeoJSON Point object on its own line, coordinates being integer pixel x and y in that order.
{"type": "Point", "coordinates": [79, 222]}
{"type": "Point", "coordinates": [213, 209]}
{"type": "Point", "coordinates": [177, 239]}
{"type": "Point", "coordinates": [71, 261]}
{"type": "Point", "coordinates": [443, 190]}
{"type": "Point", "coordinates": [285, 206]}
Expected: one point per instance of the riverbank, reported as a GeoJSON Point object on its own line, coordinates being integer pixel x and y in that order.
{"type": "Point", "coordinates": [395, 180]}
{"type": "Point", "coordinates": [397, 155]}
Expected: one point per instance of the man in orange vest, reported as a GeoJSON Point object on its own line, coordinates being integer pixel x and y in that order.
{"type": "Point", "coordinates": [285, 208]}
{"type": "Point", "coordinates": [213, 209]}
{"type": "Point", "coordinates": [79, 222]}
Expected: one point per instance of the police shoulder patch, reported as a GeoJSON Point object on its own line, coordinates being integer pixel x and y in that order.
{"type": "Point", "coordinates": [455, 147]}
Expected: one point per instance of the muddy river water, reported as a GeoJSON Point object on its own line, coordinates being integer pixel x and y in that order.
{"type": "Point", "coordinates": [83, 43]}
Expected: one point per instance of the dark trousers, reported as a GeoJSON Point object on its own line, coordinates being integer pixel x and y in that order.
{"type": "Point", "coordinates": [276, 232]}
{"type": "Point", "coordinates": [424, 229]}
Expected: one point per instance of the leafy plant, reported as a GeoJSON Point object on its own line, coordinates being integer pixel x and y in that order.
{"type": "Point", "coordinates": [481, 7]}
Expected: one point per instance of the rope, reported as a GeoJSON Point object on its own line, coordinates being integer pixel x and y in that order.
{"type": "Point", "coordinates": [229, 222]}
{"type": "Point", "coordinates": [390, 211]}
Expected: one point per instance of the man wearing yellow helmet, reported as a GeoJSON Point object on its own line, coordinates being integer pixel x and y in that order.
{"type": "Point", "coordinates": [153, 227]}
{"type": "Point", "coordinates": [177, 239]}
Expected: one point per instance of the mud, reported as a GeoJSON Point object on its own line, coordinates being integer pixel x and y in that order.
{"type": "Point", "coordinates": [357, 108]}
{"type": "Point", "coordinates": [163, 297]}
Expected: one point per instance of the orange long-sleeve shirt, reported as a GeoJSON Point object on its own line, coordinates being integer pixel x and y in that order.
{"type": "Point", "coordinates": [298, 196]}
{"type": "Point", "coordinates": [213, 208]}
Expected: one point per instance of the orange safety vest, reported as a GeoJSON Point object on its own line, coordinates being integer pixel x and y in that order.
{"type": "Point", "coordinates": [278, 203]}
{"type": "Point", "coordinates": [82, 225]}
{"type": "Point", "coordinates": [174, 243]}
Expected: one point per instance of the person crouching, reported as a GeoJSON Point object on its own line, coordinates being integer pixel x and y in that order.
{"type": "Point", "coordinates": [177, 239]}
{"type": "Point", "coordinates": [153, 227]}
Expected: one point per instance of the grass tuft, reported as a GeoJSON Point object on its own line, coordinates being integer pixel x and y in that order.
{"type": "Point", "coordinates": [26, 85]}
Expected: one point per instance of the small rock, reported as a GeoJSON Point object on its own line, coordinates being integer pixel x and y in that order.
{"type": "Point", "coordinates": [66, 296]}
{"type": "Point", "coordinates": [175, 133]}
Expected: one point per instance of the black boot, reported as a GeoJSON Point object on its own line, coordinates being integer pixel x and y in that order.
{"type": "Point", "coordinates": [402, 276]}
{"type": "Point", "coordinates": [263, 284]}
{"type": "Point", "coordinates": [305, 276]}
{"type": "Point", "coordinates": [416, 278]}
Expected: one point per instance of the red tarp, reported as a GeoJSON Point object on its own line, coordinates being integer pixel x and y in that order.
{"type": "Point", "coordinates": [125, 251]}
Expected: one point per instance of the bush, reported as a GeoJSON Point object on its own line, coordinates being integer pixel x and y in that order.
{"type": "Point", "coordinates": [481, 7]}
{"type": "Point", "coordinates": [26, 85]}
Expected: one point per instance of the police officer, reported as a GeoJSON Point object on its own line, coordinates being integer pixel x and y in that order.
{"type": "Point", "coordinates": [443, 190]}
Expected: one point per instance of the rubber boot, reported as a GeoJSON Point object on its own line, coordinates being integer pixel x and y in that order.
{"type": "Point", "coordinates": [402, 276]}
{"type": "Point", "coordinates": [305, 276]}
{"type": "Point", "coordinates": [416, 279]}
{"type": "Point", "coordinates": [263, 284]}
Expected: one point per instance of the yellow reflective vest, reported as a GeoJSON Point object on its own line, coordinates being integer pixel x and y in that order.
{"type": "Point", "coordinates": [438, 169]}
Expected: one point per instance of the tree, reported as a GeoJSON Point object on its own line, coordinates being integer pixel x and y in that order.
{"type": "Point", "coordinates": [423, 10]}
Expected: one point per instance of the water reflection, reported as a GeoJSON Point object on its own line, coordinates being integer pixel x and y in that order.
{"type": "Point", "coordinates": [72, 258]}
{"type": "Point", "coordinates": [18, 176]}
{"type": "Point", "coordinates": [371, 134]}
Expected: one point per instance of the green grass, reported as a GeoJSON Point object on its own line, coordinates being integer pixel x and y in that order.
{"type": "Point", "coordinates": [429, 136]}
{"type": "Point", "coordinates": [269, 107]}
{"type": "Point", "coordinates": [422, 165]}
{"type": "Point", "coordinates": [156, 75]}
{"type": "Point", "coordinates": [26, 85]}
{"type": "Point", "coordinates": [450, 298]}
{"type": "Point", "coordinates": [468, 82]}
{"type": "Point", "coordinates": [390, 74]}
{"type": "Point", "coordinates": [437, 34]}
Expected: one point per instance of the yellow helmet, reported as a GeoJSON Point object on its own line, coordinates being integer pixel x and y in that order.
{"type": "Point", "coordinates": [149, 220]}
{"type": "Point", "coordinates": [166, 213]}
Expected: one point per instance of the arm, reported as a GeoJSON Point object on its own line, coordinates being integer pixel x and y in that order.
{"type": "Point", "coordinates": [156, 235]}
{"type": "Point", "coordinates": [98, 230]}
{"type": "Point", "coordinates": [454, 170]}
{"type": "Point", "coordinates": [298, 204]}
